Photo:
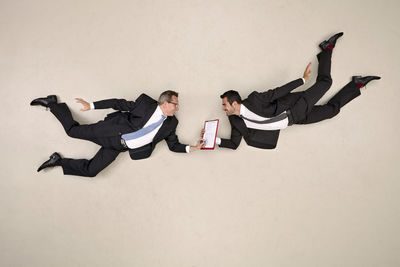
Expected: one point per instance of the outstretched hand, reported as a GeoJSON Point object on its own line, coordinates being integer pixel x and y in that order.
{"type": "Point", "coordinates": [307, 72]}
{"type": "Point", "coordinates": [199, 145]}
{"type": "Point", "coordinates": [86, 105]}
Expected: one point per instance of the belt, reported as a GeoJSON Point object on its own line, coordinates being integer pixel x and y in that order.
{"type": "Point", "coordinates": [123, 143]}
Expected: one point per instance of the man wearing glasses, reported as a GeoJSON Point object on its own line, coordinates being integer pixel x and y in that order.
{"type": "Point", "coordinates": [136, 126]}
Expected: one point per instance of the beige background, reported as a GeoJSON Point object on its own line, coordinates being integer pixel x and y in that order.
{"type": "Point", "coordinates": [327, 196]}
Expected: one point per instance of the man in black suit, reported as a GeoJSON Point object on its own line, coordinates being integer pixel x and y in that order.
{"type": "Point", "coordinates": [136, 126]}
{"type": "Point", "coordinates": [261, 116]}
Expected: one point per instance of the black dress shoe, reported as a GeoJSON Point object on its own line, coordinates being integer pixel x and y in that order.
{"type": "Point", "coordinates": [331, 42]}
{"type": "Point", "coordinates": [44, 101]}
{"type": "Point", "coordinates": [53, 161]}
{"type": "Point", "coordinates": [362, 81]}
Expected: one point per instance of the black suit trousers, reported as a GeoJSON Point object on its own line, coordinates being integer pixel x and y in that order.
{"type": "Point", "coordinates": [101, 133]}
{"type": "Point", "coordinates": [332, 108]}
{"type": "Point", "coordinates": [303, 104]}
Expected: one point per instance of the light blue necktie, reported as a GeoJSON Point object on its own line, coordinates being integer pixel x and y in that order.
{"type": "Point", "coordinates": [143, 131]}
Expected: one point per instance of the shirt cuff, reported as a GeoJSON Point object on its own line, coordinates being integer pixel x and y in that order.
{"type": "Point", "coordinates": [187, 149]}
{"type": "Point", "coordinates": [218, 141]}
{"type": "Point", "coordinates": [304, 81]}
{"type": "Point", "coordinates": [92, 105]}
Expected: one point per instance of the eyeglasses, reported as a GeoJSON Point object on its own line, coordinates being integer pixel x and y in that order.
{"type": "Point", "coordinates": [176, 104]}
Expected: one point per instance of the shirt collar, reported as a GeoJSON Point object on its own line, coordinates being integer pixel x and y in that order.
{"type": "Point", "coordinates": [158, 113]}
{"type": "Point", "coordinates": [243, 110]}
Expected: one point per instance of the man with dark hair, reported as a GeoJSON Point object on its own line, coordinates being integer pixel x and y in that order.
{"type": "Point", "coordinates": [261, 116]}
{"type": "Point", "coordinates": [232, 96]}
{"type": "Point", "coordinates": [136, 126]}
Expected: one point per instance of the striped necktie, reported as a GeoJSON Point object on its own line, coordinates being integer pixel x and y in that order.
{"type": "Point", "coordinates": [143, 131]}
{"type": "Point", "coordinates": [280, 117]}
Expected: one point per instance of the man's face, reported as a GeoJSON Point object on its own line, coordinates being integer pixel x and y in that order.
{"type": "Point", "coordinates": [172, 106]}
{"type": "Point", "coordinates": [228, 108]}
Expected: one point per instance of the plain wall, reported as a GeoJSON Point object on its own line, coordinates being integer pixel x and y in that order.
{"type": "Point", "coordinates": [326, 196]}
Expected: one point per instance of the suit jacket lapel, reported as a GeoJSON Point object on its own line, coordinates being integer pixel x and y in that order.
{"type": "Point", "coordinates": [148, 114]}
{"type": "Point", "coordinates": [239, 124]}
{"type": "Point", "coordinates": [163, 129]}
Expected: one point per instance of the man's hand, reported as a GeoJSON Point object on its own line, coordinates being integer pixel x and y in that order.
{"type": "Point", "coordinates": [202, 133]}
{"type": "Point", "coordinates": [86, 105]}
{"type": "Point", "coordinates": [200, 144]}
{"type": "Point", "coordinates": [307, 72]}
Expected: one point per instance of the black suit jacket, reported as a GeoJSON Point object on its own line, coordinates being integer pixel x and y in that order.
{"type": "Point", "coordinates": [132, 116]}
{"type": "Point", "coordinates": [266, 104]}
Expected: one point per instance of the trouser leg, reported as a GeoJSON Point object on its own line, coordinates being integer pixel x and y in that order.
{"type": "Point", "coordinates": [63, 114]}
{"type": "Point", "coordinates": [90, 132]}
{"type": "Point", "coordinates": [310, 97]}
{"type": "Point", "coordinates": [89, 168]}
{"type": "Point", "coordinates": [324, 80]}
{"type": "Point", "coordinates": [332, 108]}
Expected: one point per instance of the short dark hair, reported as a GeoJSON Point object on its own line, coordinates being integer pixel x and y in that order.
{"type": "Point", "coordinates": [166, 96]}
{"type": "Point", "coordinates": [232, 96]}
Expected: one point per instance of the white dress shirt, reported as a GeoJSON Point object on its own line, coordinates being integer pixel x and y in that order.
{"type": "Point", "coordinates": [278, 125]}
{"type": "Point", "coordinates": [147, 138]}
